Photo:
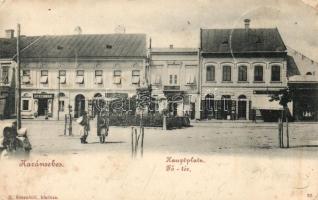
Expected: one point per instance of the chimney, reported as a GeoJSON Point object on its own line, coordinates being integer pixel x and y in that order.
{"type": "Point", "coordinates": [9, 33]}
{"type": "Point", "coordinates": [171, 46]}
{"type": "Point", "coordinates": [247, 24]}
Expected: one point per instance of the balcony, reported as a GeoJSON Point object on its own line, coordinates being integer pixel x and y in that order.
{"type": "Point", "coordinates": [171, 88]}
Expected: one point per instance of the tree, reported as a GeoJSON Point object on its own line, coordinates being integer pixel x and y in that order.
{"type": "Point", "coordinates": [284, 96]}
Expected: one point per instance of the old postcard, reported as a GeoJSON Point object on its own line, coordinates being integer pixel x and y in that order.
{"type": "Point", "coordinates": [158, 99]}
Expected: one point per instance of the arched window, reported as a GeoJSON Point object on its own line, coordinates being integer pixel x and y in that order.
{"type": "Point", "coordinates": [258, 73]}
{"type": "Point", "coordinates": [242, 73]}
{"type": "Point", "coordinates": [242, 96]}
{"type": "Point", "coordinates": [226, 73]}
{"type": "Point", "coordinates": [210, 73]}
{"type": "Point", "coordinates": [308, 73]}
{"type": "Point", "coordinates": [275, 73]}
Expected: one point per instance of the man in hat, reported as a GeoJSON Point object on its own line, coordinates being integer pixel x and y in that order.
{"type": "Point", "coordinates": [85, 128]}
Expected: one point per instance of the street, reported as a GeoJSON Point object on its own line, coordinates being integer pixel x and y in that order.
{"type": "Point", "coordinates": [47, 138]}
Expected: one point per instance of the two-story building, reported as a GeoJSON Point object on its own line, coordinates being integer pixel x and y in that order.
{"type": "Point", "coordinates": [8, 74]}
{"type": "Point", "coordinates": [240, 68]}
{"type": "Point", "coordinates": [58, 71]}
{"type": "Point", "coordinates": [173, 75]}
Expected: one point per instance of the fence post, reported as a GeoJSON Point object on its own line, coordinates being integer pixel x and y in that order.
{"type": "Point", "coordinates": [132, 142]}
{"type": "Point", "coordinates": [70, 126]}
{"type": "Point", "coordinates": [164, 125]}
{"type": "Point", "coordinates": [65, 124]}
{"type": "Point", "coordinates": [142, 141]}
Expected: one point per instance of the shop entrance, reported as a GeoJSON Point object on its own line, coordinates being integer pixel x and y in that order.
{"type": "Point", "coordinates": [42, 107]}
{"type": "Point", "coordinates": [79, 105]}
{"type": "Point", "coordinates": [242, 107]}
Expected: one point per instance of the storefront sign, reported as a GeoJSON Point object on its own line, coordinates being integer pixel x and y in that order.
{"type": "Point", "coordinates": [43, 96]}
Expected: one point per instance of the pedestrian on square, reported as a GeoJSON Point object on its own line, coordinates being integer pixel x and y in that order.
{"type": "Point", "coordinates": [85, 127]}
{"type": "Point", "coordinates": [102, 125]}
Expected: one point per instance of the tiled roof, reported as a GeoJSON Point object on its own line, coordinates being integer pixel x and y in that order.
{"type": "Point", "coordinates": [8, 47]}
{"type": "Point", "coordinates": [241, 41]}
{"type": "Point", "coordinates": [93, 45]}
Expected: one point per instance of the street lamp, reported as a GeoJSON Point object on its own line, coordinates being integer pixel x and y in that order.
{"type": "Point", "coordinates": [58, 96]}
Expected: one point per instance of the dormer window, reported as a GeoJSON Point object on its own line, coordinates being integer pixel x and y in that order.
{"type": "Point", "coordinates": [108, 46]}
{"type": "Point", "coordinates": [44, 77]}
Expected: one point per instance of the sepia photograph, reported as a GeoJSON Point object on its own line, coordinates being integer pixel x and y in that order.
{"type": "Point", "coordinates": [158, 99]}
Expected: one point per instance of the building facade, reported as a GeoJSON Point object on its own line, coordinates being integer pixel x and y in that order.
{"type": "Point", "coordinates": [240, 68]}
{"type": "Point", "coordinates": [62, 71]}
{"type": "Point", "coordinates": [173, 75]}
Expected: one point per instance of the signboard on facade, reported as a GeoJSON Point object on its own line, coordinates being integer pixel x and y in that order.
{"type": "Point", "coordinates": [43, 96]}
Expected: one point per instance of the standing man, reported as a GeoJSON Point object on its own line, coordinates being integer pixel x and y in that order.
{"type": "Point", "coordinates": [102, 125]}
{"type": "Point", "coordinates": [85, 128]}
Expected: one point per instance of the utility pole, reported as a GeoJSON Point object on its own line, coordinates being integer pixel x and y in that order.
{"type": "Point", "coordinates": [58, 96]}
{"type": "Point", "coordinates": [18, 84]}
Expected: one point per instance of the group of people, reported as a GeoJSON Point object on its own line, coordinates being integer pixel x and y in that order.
{"type": "Point", "coordinates": [102, 126]}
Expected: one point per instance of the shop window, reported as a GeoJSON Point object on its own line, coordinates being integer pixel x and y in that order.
{"type": "Point", "coordinates": [44, 77]}
{"type": "Point", "coordinates": [210, 73]}
{"type": "Point", "coordinates": [62, 76]}
{"type": "Point", "coordinates": [135, 77]}
{"type": "Point", "coordinates": [258, 73]}
{"type": "Point", "coordinates": [25, 105]}
{"type": "Point", "coordinates": [79, 77]}
{"type": "Point", "coordinates": [61, 106]}
{"type": "Point", "coordinates": [117, 77]}
{"type": "Point", "coordinates": [98, 76]}
{"type": "Point", "coordinates": [275, 73]}
{"type": "Point", "coordinates": [26, 76]}
{"type": "Point", "coordinates": [226, 73]}
{"type": "Point", "coordinates": [242, 73]}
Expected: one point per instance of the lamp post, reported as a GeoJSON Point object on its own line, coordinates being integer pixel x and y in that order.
{"type": "Point", "coordinates": [58, 96]}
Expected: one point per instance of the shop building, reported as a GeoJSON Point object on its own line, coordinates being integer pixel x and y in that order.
{"type": "Point", "coordinates": [240, 68]}
{"type": "Point", "coordinates": [303, 83]}
{"type": "Point", "coordinates": [173, 75]}
{"type": "Point", "coordinates": [62, 71]}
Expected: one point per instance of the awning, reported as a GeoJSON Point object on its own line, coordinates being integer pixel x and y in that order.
{"type": "Point", "coordinates": [261, 102]}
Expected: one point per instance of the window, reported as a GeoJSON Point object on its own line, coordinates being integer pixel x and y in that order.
{"type": "Point", "coordinates": [44, 72]}
{"type": "Point", "coordinates": [157, 79]}
{"type": "Point", "coordinates": [275, 73]}
{"type": "Point", "coordinates": [308, 73]}
{"type": "Point", "coordinates": [210, 73]}
{"type": "Point", "coordinates": [44, 76]}
{"type": "Point", "coordinates": [226, 73]}
{"type": "Point", "coordinates": [5, 75]}
{"type": "Point", "coordinates": [25, 104]}
{"type": "Point", "coordinates": [190, 76]}
{"type": "Point", "coordinates": [117, 77]}
{"type": "Point", "coordinates": [26, 77]}
{"type": "Point", "coordinates": [98, 76]}
{"type": "Point", "coordinates": [61, 106]}
{"type": "Point", "coordinates": [173, 79]}
{"type": "Point", "coordinates": [80, 76]}
{"type": "Point", "coordinates": [242, 73]}
{"type": "Point", "coordinates": [258, 73]}
{"type": "Point", "coordinates": [135, 76]}
{"type": "Point", "coordinates": [62, 76]}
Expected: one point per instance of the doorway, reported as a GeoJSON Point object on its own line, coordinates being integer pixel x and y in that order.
{"type": "Point", "coordinates": [79, 105]}
{"type": "Point", "coordinates": [241, 107]}
{"type": "Point", "coordinates": [42, 107]}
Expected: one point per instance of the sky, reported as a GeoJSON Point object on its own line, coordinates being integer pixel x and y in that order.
{"type": "Point", "coordinates": [176, 22]}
